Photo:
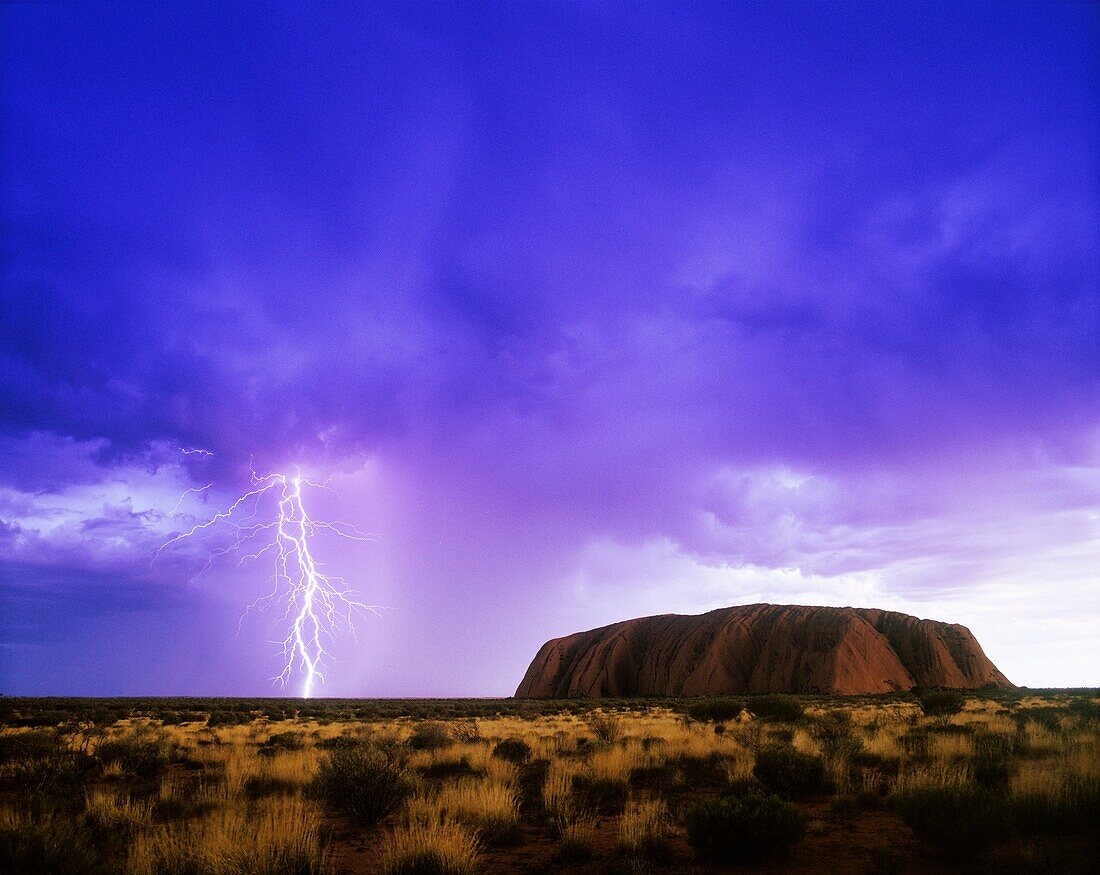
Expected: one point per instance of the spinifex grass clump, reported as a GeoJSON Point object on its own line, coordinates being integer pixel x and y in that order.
{"type": "Point", "coordinates": [606, 728]}
{"type": "Point", "coordinates": [440, 848]}
{"type": "Point", "coordinates": [644, 829]}
{"type": "Point", "coordinates": [745, 828]}
{"type": "Point", "coordinates": [365, 782]}
{"type": "Point", "coordinates": [279, 838]}
{"type": "Point", "coordinates": [836, 735]}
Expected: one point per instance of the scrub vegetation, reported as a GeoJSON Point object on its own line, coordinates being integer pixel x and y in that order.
{"type": "Point", "coordinates": [802, 784]}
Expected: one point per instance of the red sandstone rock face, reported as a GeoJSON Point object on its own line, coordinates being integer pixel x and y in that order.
{"type": "Point", "coordinates": [761, 649]}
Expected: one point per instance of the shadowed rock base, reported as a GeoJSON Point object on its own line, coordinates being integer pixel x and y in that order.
{"type": "Point", "coordinates": [761, 649]}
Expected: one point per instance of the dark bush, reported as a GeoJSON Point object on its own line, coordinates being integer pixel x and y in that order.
{"type": "Point", "coordinates": [992, 765]}
{"type": "Point", "coordinates": [605, 795]}
{"type": "Point", "coordinates": [1088, 710]}
{"type": "Point", "coordinates": [227, 718]}
{"type": "Point", "coordinates": [742, 829]}
{"type": "Point", "coordinates": [872, 772]}
{"type": "Point", "coordinates": [942, 703]}
{"type": "Point", "coordinates": [22, 746]}
{"type": "Point", "coordinates": [460, 768]}
{"type": "Point", "coordinates": [53, 769]}
{"type": "Point", "coordinates": [789, 773]}
{"type": "Point", "coordinates": [660, 777]}
{"type": "Point", "coordinates": [339, 742]}
{"type": "Point", "coordinates": [430, 736]}
{"type": "Point", "coordinates": [703, 771]}
{"type": "Point", "coordinates": [512, 750]}
{"type": "Point", "coordinates": [1046, 716]}
{"type": "Point", "coordinates": [281, 741]}
{"type": "Point", "coordinates": [743, 787]}
{"type": "Point", "coordinates": [963, 822]}
{"type": "Point", "coordinates": [945, 728]}
{"type": "Point", "coordinates": [52, 846]}
{"type": "Point", "coordinates": [529, 783]}
{"type": "Point", "coordinates": [867, 761]}
{"type": "Point", "coordinates": [777, 706]}
{"type": "Point", "coordinates": [715, 710]}
{"type": "Point", "coordinates": [144, 756]}
{"type": "Point", "coordinates": [365, 782]}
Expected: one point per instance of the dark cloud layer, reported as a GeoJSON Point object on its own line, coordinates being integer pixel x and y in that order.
{"type": "Point", "coordinates": [787, 288]}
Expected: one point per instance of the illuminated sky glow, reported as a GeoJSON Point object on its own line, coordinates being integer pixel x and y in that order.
{"type": "Point", "coordinates": [588, 311]}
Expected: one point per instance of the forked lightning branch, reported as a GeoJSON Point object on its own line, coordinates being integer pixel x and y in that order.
{"type": "Point", "coordinates": [317, 605]}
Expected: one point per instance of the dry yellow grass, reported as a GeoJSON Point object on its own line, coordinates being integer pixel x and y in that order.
{"type": "Point", "coordinates": [486, 807]}
{"type": "Point", "coordinates": [249, 812]}
{"type": "Point", "coordinates": [277, 836]}
{"type": "Point", "coordinates": [109, 809]}
{"type": "Point", "coordinates": [644, 826]}
{"type": "Point", "coordinates": [439, 846]}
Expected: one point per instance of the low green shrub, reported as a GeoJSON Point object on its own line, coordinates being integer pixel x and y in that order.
{"type": "Point", "coordinates": [790, 773]}
{"type": "Point", "coordinates": [703, 771]}
{"type": "Point", "coordinates": [430, 736]}
{"type": "Point", "coordinates": [743, 829]}
{"type": "Point", "coordinates": [282, 741]}
{"type": "Point", "coordinates": [941, 703]}
{"type": "Point", "coordinates": [512, 750]}
{"type": "Point", "coordinates": [339, 742]}
{"type": "Point", "coordinates": [962, 821]}
{"type": "Point", "coordinates": [777, 706]}
{"type": "Point", "coordinates": [460, 768]}
{"type": "Point", "coordinates": [365, 782]}
{"type": "Point", "coordinates": [228, 718]}
{"type": "Point", "coordinates": [715, 710]}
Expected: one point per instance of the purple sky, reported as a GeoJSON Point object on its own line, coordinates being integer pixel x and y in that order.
{"type": "Point", "coordinates": [590, 311]}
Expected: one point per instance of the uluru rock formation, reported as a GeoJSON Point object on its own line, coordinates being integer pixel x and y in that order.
{"type": "Point", "coordinates": [761, 649]}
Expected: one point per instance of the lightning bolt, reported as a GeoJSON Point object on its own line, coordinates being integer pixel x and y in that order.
{"type": "Point", "coordinates": [318, 605]}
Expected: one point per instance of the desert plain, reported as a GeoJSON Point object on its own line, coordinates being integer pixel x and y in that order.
{"type": "Point", "coordinates": [930, 781]}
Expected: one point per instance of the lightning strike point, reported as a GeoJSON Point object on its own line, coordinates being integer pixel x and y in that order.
{"type": "Point", "coordinates": [318, 605]}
